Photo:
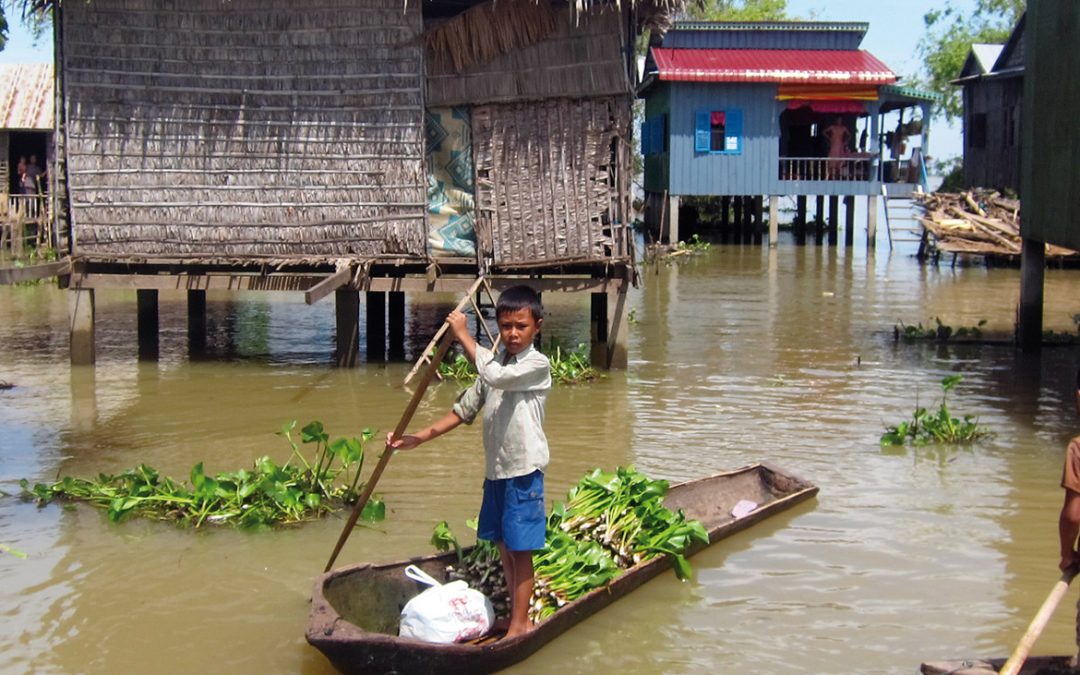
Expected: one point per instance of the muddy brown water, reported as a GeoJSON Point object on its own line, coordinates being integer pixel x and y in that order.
{"type": "Point", "coordinates": [739, 355]}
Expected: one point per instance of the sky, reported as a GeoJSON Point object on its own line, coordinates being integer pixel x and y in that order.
{"type": "Point", "coordinates": [895, 29]}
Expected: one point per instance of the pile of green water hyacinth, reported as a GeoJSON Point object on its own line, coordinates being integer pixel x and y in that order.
{"type": "Point", "coordinates": [268, 494]}
{"type": "Point", "coordinates": [609, 523]}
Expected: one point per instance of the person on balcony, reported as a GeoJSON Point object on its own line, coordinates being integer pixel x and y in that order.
{"type": "Point", "coordinates": [839, 138]}
{"type": "Point", "coordinates": [31, 177]}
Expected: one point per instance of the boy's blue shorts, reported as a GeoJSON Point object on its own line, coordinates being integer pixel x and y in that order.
{"type": "Point", "coordinates": [513, 512]}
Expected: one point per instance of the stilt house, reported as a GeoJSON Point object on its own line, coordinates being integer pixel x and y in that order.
{"type": "Point", "coordinates": [26, 134]}
{"type": "Point", "coordinates": [747, 110]}
{"type": "Point", "coordinates": [372, 146]}
{"type": "Point", "coordinates": [993, 83]}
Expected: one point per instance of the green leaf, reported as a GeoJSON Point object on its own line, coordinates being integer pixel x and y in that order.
{"type": "Point", "coordinates": [682, 567]}
{"type": "Point", "coordinates": [374, 511]}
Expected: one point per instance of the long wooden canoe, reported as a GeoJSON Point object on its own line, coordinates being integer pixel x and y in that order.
{"type": "Point", "coordinates": [1034, 665]}
{"type": "Point", "coordinates": [355, 609]}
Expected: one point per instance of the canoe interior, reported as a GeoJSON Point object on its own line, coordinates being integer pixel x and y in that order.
{"type": "Point", "coordinates": [1034, 665]}
{"type": "Point", "coordinates": [373, 596]}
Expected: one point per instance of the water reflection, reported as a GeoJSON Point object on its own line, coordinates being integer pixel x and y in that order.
{"type": "Point", "coordinates": [740, 355]}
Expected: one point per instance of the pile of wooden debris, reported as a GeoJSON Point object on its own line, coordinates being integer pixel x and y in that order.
{"type": "Point", "coordinates": [980, 222]}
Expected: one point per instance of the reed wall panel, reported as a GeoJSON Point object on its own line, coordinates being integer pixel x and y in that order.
{"type": "Point", "coordinates": [245, 128]}
{"type": "Point", "coordinates": [547, 187]}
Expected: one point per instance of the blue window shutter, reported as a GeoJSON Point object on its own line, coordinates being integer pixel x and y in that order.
{"type": "Point", "coordinates": [733, 134]}
{"type": "Point", "coordinates": [646, 138]}
{"type": "Point", "coordinates": [701, 131]}
{"type": "Point", "coordinates": [657, 133]}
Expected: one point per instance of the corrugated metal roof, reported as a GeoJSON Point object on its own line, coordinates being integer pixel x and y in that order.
{"type": "Point", "coordinates": [26, 96]}
{"type": "Point", "coordinates": [845, 26]}
{"type": "Point", "coordinates": [771, 65]}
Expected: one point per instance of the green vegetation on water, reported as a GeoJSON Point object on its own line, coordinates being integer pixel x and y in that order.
{"type": "Point", "coordinates": [567, 366]}
{"type": "Point", "coordinates": [609, 522]}
{"type": "Point", "coordinates": [926, 427]}
{"type": "Point", "coordinates": [939, 332]}
{"type": "Point", "coordinates": [268, 494]}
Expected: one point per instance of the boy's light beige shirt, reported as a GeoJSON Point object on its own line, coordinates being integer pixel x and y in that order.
{"type": "Point", "coordinates": [512, 391]}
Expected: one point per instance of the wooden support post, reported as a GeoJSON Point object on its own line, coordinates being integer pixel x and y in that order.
{"type": "Point", "coordinates": [196, 322]}
{"type": "Point", "coordinates": [871, 221]}
{"type": "Point", "coordinates": [618, 329]}
{"type": "Point", "coordinates": [598, 329]}
{"type": "Point", "coordinates": [83, 386]}
{"type": "Point", "coordinates": [849, 220]}
{"type": "Point", "coordinates": [81, 326]}
{"type": "Point", "coordinates": [673, 219]}
{"type": "Point", "coordinates": [347, 313]}
{"type": "Point", "coordinates": [148, 323]}
{"type": "Point", "coordinates": [376, 325]}
{"type": "Point", "coordinates": [725, 216]}
{"type": "Point", "coordinates": [396, 332]}
{"type": "Point", "coordinates": [834, 219]}
{"type": "Point", "coordinates": [800, 219]}
{"type": "Point", "coordinates": [759, 224]}
{"type": "Point", "coordinates": [774, 219]}
{"type": "Point", "coordinates": [738, 220]}
{"type": "Point", "coordinates": [1032, 272]}
{"type": "Point", "coordinates": [819, 220]}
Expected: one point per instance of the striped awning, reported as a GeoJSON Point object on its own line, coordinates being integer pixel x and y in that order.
{"type": "Point", "coordinates": [821, 66]}
{"type": "Point", "coordinates": [26, 96]}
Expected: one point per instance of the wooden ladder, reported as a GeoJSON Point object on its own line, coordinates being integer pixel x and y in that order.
{"type": "Point", "coordinates": [469, 299]}
{"type": "Point", "coordinates": [901, 218]}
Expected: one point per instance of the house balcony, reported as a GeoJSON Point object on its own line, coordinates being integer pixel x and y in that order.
{"type": "Point", "coordinates": [856, 173]}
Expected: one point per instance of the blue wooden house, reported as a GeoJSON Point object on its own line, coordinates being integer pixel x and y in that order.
{"type": "Point", "coordinates": [768, 109]}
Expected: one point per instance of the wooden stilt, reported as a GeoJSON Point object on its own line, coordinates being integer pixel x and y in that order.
{"type": "Point", "coordinates": [759, 224]}
{"type": "Point", "coordinates": [396, 328]}
{"type": "Point", "coordinates": [774, 219]}
{"type": "Point", "coordinates": [347, 312]}
{"type": "Point", "coordinates": [81, 326]}
{"type": "Point", "coordinates": [834, 219]}
{"type": "Point", "coordinates": [871, 222]}
{"type": "Point", "coordinates": [849, 220]}
{"type": "Point", "coordinates": [196, 323]}
{"type": "Point", "coordinates": [673, 219]}
{"type": "Point", "coordinates": [148, 323]}
{"type": "Point", "coordinates": [375, 317]}
{"type": "Point", "coordinates": [618, 329]}
{"type": "Point", "coordinates": [1032, 273]}
{"type": "Point", "coordinates": [598, 329]}
{"type": "Point", "coordinates": [725, 218]}
{"type": "Point", "coordinates": [819, 220]}
{"type": "Point", "coordinates": [800, 219]}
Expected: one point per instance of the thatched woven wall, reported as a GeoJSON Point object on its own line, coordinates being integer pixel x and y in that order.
{"type": "Point", "coordinates": [583, 56]}
{"type": "Point", "coordinates": [246, 128]}
{"type": "Point", "coordinates": [549, 174]}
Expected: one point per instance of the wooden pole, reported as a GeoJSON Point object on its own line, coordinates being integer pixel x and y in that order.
{"type": "Point", "coordinates": [1020, 654]}
{"type": "Point", "coordinates": [442, 329]}
{"type": "Point", "coordinates": [388, 452]}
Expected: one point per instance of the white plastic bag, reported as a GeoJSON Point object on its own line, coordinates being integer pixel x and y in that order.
{"type": "Point", "coordinates": [445, 613]}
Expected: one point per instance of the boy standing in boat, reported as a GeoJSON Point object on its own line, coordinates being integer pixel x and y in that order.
{"type": "Point", "coordinates": [1069, 520]}
{"type": "Point", "coordinates": [511, 388]}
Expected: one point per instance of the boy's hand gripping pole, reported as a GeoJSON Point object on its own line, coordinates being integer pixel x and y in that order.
{"type": "Point", "coordinates": [406, 417]}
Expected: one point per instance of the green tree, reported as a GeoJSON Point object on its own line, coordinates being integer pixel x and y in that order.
{"type": "Point", "coordinates": [736, 10]}
{"type": "Point", "coordinates": [950, 32]}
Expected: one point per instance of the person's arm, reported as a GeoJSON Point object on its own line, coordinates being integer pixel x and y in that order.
{"type": "Point", "coordinates": [1068, 529]}
{"type": "Point", "coordinates": [444, 424]}
{"type": "Point", "coordinates": [459, 326]}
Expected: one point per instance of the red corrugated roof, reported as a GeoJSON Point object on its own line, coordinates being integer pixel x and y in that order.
{"type": "Point", "coordinates": [26, 96]}
{"type": "Point", "coordinates": [819, 66]}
